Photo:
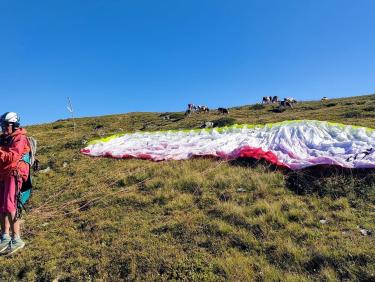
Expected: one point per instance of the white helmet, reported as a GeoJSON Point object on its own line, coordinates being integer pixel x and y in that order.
{"type": "Point", "coordinates": [10, 118]}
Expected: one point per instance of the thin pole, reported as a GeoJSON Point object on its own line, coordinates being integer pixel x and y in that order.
{"type": "Point", "coordinates": [70, 109]}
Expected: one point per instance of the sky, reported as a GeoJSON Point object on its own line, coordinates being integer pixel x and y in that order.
{"type": "Point", "coordinates": [112, 56]}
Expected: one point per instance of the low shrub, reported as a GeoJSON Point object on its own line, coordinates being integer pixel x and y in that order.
{"type": "Point", "coordinates": [257, 107]}
{"type": "Point", "coordinates": [369, 109]}
{"type": "Point", "coordinates": [177, 116]}
{"type": "Point", "coordinates": [279, 110]}
{"type": "Point", "coordinates": [225, 121]}
{"type": "Point", "coordinates": [58, 126]}
{"type": "Point", "coordinates": [352, 114]}
{"type": "Point", "coordinates": [331, 105]}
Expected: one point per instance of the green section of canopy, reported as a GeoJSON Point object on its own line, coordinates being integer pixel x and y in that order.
{"type": "Point", "coordinates": [226, 128]}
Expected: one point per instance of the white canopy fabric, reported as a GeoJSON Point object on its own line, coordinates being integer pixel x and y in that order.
{"type": "Point", "coordinates": [294, 144]}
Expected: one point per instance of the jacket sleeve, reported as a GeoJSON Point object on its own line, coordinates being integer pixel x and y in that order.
{"type": "Point", "coordinates": [14, 152]}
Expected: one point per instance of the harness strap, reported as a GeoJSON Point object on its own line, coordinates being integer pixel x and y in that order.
{"type": "Point", "coordinates": [19, 205]}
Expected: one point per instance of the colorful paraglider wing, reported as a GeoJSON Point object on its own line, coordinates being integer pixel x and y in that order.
{"type": "Point", "coordinates": [293, 144]}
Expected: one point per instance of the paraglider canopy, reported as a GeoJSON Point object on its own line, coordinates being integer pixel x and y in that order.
{"type": "Point", "coordinates": [292, 144]}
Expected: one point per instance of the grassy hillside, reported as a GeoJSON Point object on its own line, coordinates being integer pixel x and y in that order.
{"type": "Point", "coordinates": [95, 219]}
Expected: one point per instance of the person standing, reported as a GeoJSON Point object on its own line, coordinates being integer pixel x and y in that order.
{"type": "Point", "coordinates": [13, 172]}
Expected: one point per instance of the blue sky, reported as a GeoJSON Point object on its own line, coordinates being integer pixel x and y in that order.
{"type": "Point", "coordinates": [113, 56]}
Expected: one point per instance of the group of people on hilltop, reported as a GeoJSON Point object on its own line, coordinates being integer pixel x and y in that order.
{"type": "Point", "coordinates": [14, 172]}
{"type": "Point", "coordinates": [191, 108]}
{"type": "Point", "coordinates": [287, 102]}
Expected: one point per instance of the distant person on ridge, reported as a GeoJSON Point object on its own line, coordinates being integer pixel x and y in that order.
{"type": "Point", "coordinates": [13, 172]}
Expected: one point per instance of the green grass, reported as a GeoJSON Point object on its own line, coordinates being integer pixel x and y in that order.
{"type": "Point", "coordinates": [100, 219]}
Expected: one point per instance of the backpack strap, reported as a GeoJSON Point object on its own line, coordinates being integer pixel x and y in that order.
{"type": "Point", "coordinates": [26, 158]}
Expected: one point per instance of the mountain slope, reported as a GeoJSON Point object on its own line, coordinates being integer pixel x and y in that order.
{"type": "Point", "coordinates": [202, 219]}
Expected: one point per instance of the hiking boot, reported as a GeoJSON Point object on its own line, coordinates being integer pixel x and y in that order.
{"type": "Point", "coordinates": [15, 245]}
{"type": "Point", "coordinates": [5, 243]}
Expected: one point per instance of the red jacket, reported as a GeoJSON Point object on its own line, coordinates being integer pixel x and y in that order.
{"type": "Point", "coordinates": [12, 148]}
